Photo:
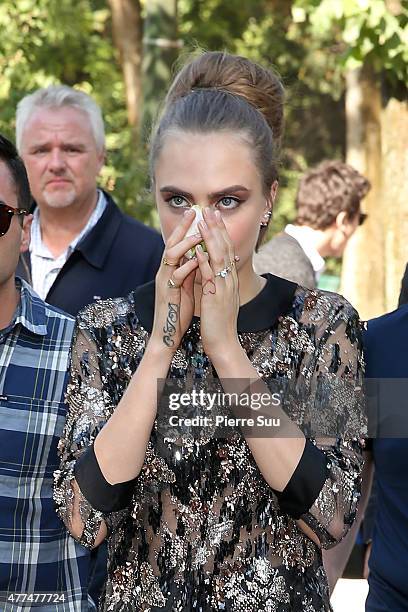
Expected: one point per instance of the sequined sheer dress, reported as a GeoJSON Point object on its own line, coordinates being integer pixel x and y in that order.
{"type": "Point", "coordinates": [203, 529]}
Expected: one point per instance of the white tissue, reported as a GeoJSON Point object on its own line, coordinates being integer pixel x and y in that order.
{"type": "Point", "coordinates": [194, 229]}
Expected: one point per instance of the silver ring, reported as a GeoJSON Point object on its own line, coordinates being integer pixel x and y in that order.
{"type": "Point", "coordinates": [223, 273]}
{"type": "Point", "coordinates": [171, 284]}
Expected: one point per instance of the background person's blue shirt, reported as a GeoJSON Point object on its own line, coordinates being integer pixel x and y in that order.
{"type": "Point", "coordinates": [37, 555]}
{"type": "Point", "coordinates": [386, 351]}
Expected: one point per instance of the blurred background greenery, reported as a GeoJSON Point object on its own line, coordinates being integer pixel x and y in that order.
{"type": "Point", "coordinates": [123, 53]}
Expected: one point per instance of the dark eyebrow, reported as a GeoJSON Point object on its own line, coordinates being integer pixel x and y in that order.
{"type": "Point", "coordinates": [171, 189]}
{"type": "Point", "coordinates": [232, 189]}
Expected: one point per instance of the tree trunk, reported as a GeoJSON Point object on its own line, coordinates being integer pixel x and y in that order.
{"type": "Point", "coordinates": [363, 273]}
{"type": "Point", "coordinates": [127, 36]}
{"type": "Point", "coordinates": [161, 48]}
{"type": "Point", "coordinates": [394, 124]}
{"type": "Point", "coordinates": [377, 145]}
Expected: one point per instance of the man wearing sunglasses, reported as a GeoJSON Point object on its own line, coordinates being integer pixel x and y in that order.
{"type": "Point", "coordinates": [41, 566]}
{"type": "Point", "coordinates": [328, 213]}
{"type": "Point", "coordinates": [82, 246]}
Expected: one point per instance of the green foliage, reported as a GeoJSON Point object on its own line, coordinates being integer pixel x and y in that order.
{"type": "Point", "coordinates": [359, 31]}
{"type": "Point", "coordinates": [58, 41]}
{"type": "Point", "coordinates": [48, 42]}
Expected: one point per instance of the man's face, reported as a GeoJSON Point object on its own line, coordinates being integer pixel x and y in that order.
{"type": "Point", "coordinates": [11, 242]}
{"type": "Point", "coordinates": [61, 157]}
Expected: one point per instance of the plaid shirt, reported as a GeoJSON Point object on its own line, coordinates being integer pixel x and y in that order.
{"type": "Point", "coordinates": [37, 555]}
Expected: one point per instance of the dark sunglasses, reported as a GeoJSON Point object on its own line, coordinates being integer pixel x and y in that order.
{"type": "Point", "coordinates": [6, 215]}
{"type": "Point", "coordinates": [361, 218]}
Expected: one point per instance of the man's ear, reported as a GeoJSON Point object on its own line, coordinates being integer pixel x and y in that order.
{"type": "Point", "coordinates": [341, 220]}
{"type": "Point", "coordinates": [26, 233]}
{"type": "Point", "coordinates": [102, 156]}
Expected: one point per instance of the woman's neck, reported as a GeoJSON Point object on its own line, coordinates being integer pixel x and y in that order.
{"type": "Point", "coordinates": [250, 284]}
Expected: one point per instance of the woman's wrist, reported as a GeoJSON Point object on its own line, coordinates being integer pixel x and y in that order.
{"type": "Point", "coordinates": [228, 355]}
{"type": "Point", "coordinates": [157, 349]}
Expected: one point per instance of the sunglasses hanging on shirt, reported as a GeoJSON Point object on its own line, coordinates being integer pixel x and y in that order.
{"type": "Point", "coordinates": [6, 215]}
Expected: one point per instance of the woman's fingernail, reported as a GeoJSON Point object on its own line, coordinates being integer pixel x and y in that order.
{"type": "Point", "coordinates": [218, 215]}
{"type": "Point", "coordinates": [237, 258]}
{"type": "Point", "coordinates": [199, 248]}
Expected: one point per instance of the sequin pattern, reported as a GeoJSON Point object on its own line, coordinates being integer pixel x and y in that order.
{"type": "Point", "coordinates": [204, 531]}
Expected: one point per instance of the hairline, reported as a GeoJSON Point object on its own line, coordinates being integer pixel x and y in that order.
{"type": "Point", "coordinates": [35, 101]}
{"type": "Point", "coordinates": [53, 107]}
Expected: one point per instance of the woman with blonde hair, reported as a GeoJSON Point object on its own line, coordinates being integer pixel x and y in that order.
{"type": "Point", "coordinates": [202, 522]}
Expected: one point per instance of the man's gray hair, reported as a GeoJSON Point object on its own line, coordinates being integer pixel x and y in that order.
{"type": "Point", "coordinates": [58, 96]}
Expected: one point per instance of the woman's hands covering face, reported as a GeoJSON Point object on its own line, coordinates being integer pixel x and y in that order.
{"type": "Point", "coordinates": [174, 305]}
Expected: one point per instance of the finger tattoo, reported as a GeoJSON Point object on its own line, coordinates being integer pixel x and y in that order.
{"type": "Point", "coordinates": [209, 287]}
{"type": "Point", "coordinates": [170, 327]}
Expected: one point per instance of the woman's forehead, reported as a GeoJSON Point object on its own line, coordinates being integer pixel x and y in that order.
{"type": "Point", "coordinates": [217, 140]}
{"type": "Point", "coordinates": [214, 160]}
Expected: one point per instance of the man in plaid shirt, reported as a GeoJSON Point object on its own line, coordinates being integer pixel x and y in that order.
{"type": "Point", "coordinates": [41, 566]}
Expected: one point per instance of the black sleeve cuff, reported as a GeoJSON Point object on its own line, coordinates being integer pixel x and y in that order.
{"type": "Point", "coordinates": [306, 482]}
{"type": "Point", "coordinates": [96, 489]}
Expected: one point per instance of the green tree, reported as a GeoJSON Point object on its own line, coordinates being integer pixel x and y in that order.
{"type": "Point", "coordinates": [161, 48]}
{"type": "Point", "coordinates": [58, 41]}
{"type": "Point", "coordinates": [353, 33]}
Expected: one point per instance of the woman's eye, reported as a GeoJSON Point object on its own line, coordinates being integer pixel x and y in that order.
{"type": "Point", "coordinates": [177, 201]}
{"type": "Point", "coordinates": [229, 202]}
